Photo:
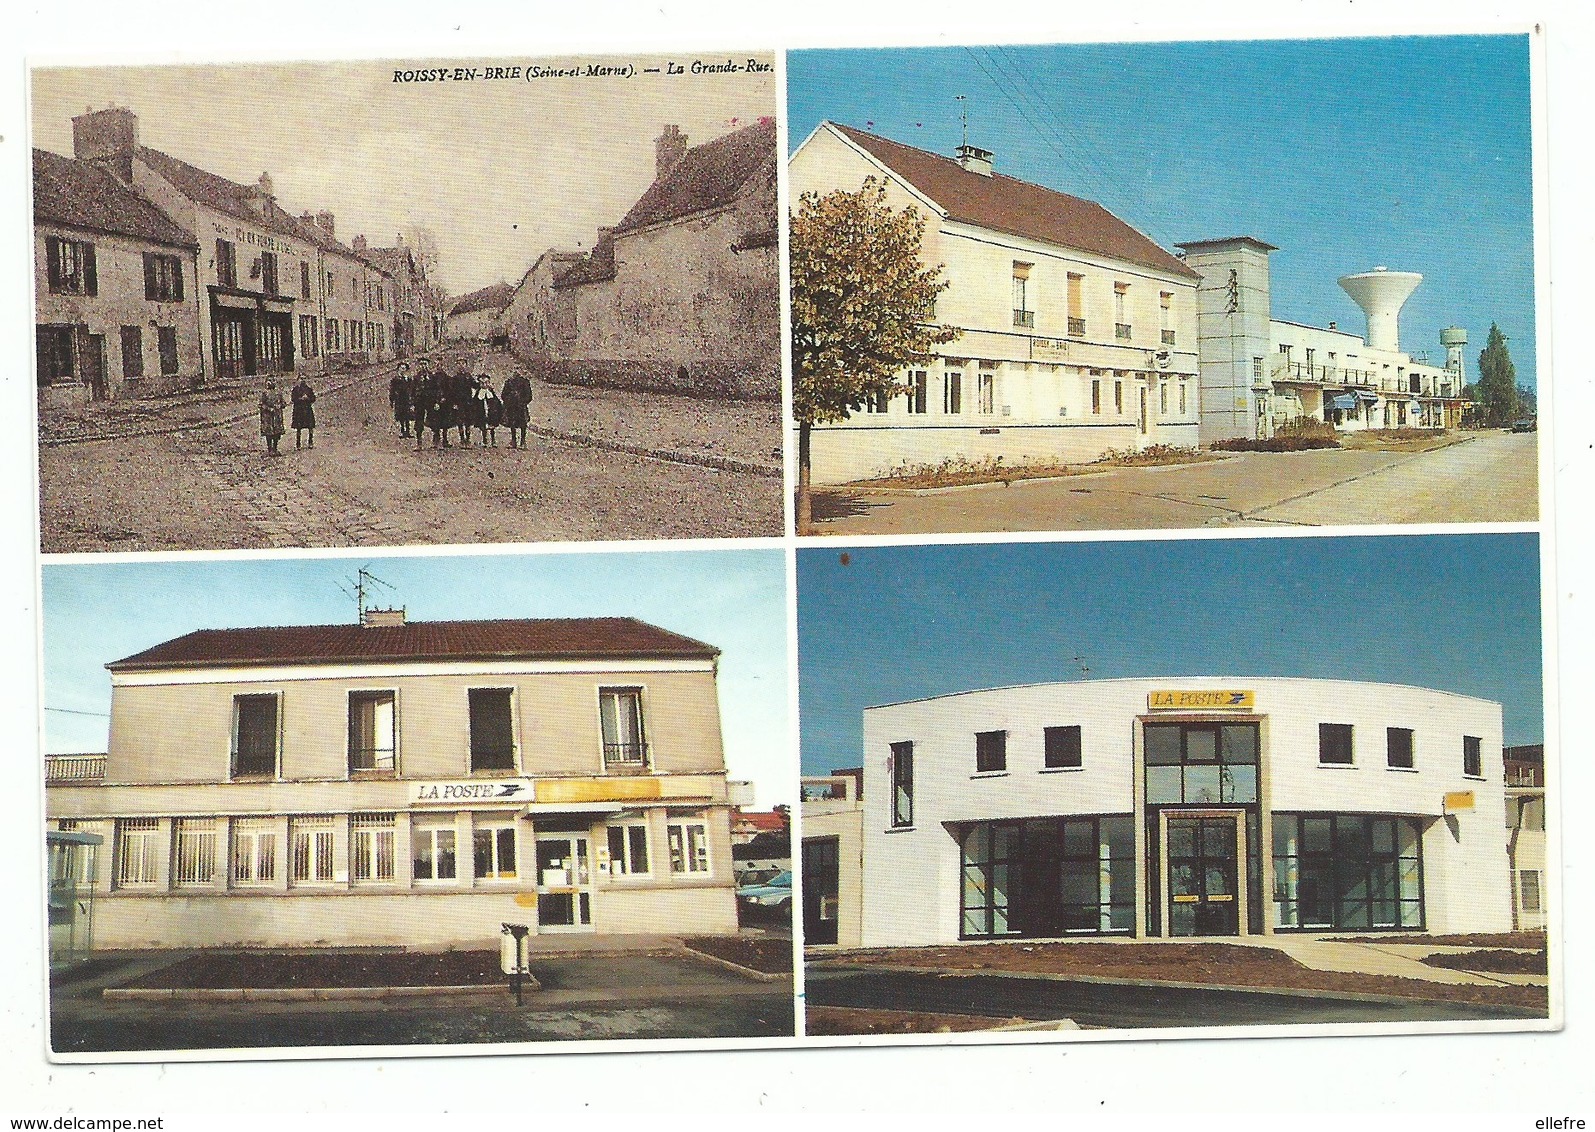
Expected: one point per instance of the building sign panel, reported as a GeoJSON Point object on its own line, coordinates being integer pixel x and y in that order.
{"type": "Point", "coordinates": [1180, 700]}
{"type": "Point", "coordinates": [572, 790]}
{"type": "Point", "coordinates": [1458, 800]}
{"type": "Point", "coordinates": [497, 792]}
{"type": "Point", "coordinates": [1049, 349]}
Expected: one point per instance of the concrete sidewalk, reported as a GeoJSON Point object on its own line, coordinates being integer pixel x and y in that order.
{"type": "Point", "coordinates": [1399, 960]}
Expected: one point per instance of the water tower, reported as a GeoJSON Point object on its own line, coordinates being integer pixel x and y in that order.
{"type": "Point", "coordinates": [1380, 293]}
{"type": "Point", "coordinates": [1454, 338]}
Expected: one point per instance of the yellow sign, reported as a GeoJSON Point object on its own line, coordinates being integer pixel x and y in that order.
{"type": "Point", "coordinates": [569, 790]}
{"type": "Point", "coordinates": [526, 899]}
{"type": "Point", "coordinates": [1226, 700]}
{"type": "Point", "coordinates": [1458, 800]}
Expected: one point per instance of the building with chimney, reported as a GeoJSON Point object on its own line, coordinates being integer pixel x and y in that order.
{"type": "Point", "coordinates": [414, 784]}
{"type": "Point", "coordinates": [273, 293]}
{"type": "Point", "coordinates": [683, 294]}
{"type": "Point", "coordinates": [114, 286]}
{"type": "Point", "coordinates": [1259, 371]}
{"type": "Point", "coordinates": [1076, 333]}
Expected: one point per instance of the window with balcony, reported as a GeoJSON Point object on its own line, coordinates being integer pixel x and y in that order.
{"type": "Point", "coordinates": [1076, 301]}
{"type": "Point", "coordinates": [1165, 302]}
{"type": "Point", "coordinates": [625, 736]}
{"type": "Point", "coordinates": [255, 735]}
{"type": "Point", "coordinates": [1121, 311]}
{"type": "Point", "coordinates": [492, 728]}
{"type": "Point", "coordinates": [70, 267]}
{"type": "Point", "coordinates": [1022, 314]}
{"type": "Point", "coordinates": [371, 731]}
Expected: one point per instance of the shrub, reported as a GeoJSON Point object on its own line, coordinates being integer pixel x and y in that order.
{"type": "Point", "coordinates": [1296, 435]}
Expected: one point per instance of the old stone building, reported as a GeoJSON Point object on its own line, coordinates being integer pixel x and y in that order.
{"type": "Point", "coordinates": [475, 317]}
{"type": "Point", "coordinates": [683, 293]}
{"type": "Point", "coordinates": [114, 286]}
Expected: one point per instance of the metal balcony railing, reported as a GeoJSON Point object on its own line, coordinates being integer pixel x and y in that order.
{"type": "Point", "coordinates": [625, 754]}
{"type": "Point", "coordinates": [1024, 318]}
{"type": "Point", "coordinates": [1077, 327]}
{"type": "Point", "coordinates": [1168, 338]}
{"type": "Point", "coordinates": [1121, 331]}
{"type": "Point", "coordinates": [73, 768]}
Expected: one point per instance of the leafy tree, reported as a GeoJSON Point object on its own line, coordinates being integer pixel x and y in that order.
{"type": "Point", "coordinates": [861, 308]}
{"type": "Point", "coordinates": [1496, 389]}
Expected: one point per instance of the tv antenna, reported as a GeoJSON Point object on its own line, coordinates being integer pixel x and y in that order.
{"type": "Point", "coordinates": [360, 588]}
{"type": "Point", "coordinates": [963, 114]}
{"type": "Point", "coordinates": [1085, 669]}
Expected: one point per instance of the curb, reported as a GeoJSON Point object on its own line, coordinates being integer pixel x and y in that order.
{"type": "Point", "coordinates": [301, 994]}
{"type": "Point", "coordinates": [1287, 992]}
{"type": "Point", "coordinates": [716, 961]}
{"type": "Point", "coordinates": [718, 463]}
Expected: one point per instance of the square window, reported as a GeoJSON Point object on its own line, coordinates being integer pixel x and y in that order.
{"type": "Point", "coordinates": [1061, 747]}
{"type": "Point", "coordinates": [628, 850]}
{"type": "Point", "coordinates": [1398, 747]}
{"type": "Point", "coordinates": [1334, 744]}
{"type": "Point", "coordinates": [991, 751]}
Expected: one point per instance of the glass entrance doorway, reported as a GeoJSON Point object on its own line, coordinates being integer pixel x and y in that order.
{"type": "Point", "coordinates": [1204, 894]}
{"type": "Point", "coordinates": [564, 883]}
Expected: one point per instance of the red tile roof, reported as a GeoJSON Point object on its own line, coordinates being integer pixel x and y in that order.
{"type": "Point", "coordinates": [81, 194]}
{"type": "Point", "coordinates": [492, 298]}
{"type": "Point", "coordinates": [708, 176]}
{"type": "Point", "coordinates": [1006, 204]}
{"type": "Point", "coordinates": [556, 638]}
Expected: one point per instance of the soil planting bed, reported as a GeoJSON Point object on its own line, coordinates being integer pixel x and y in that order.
{"type": "Point", "coordinates": [1216, 964]}
{"type": "Point", "coordinates": [821, 1021]}
{"type": "Point", "coordinates": [767, 956]}
{"type": "Point", "coordinates": [275, 970]}
{"type": "Point", "coordinates": [1533, 941]}
{"type": "Point", "coordinates": [1498, 962]}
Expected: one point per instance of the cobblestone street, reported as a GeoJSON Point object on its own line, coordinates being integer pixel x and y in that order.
{"type": "Point", "coordinates": [601, 464]}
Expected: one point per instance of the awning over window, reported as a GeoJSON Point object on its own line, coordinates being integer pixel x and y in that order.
{"type": "Point", "coordinates": [1365, 395]}
{"type": "Point", "coordinates": [1344, 402]}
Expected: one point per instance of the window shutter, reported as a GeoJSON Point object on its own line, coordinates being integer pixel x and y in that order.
{"type": "Point", "coordinates": [91, 279]}
{"type": "Point", "coordinates": [151, 276]}
{"type": "Point", "coordinates": [177, 279]}
{"type": "Point", "coordinates": [52, 256]}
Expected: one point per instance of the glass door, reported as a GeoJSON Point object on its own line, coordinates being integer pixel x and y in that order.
{"type": "Point", "coordinates": [564, 883]}
{"type": "Point", "coordinates": [1203, 876]}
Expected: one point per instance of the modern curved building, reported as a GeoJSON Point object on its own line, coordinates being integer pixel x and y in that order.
{"type": "Point", "coordinates": [1183, 806]}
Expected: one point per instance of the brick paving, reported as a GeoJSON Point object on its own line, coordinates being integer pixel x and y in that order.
{"type": "Point", "coordinates": [190, 473]}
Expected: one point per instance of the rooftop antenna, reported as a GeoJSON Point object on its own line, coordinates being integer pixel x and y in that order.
{"type": "Point", "coordinates": [359, 587]}
{"type": "Point", "coordinates": [963, 114]}
{"type": "Point", "coordinates": [1085, 669]}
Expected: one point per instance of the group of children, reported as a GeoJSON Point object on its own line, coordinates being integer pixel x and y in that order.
{"type": "Point", "coordinates": [438, 401]}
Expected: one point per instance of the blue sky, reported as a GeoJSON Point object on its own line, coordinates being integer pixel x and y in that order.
{"type": "Point", "coordinates": [1462, 613]}
{"type": "Point", "coordinates": [95, 613]}
{"type": "Point", "coordinates": [1412, 153]}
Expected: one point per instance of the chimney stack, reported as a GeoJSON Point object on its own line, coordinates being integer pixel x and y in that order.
{"type": "Point", "coordinates": [382, 618]}
{"type": "Point", "coordinates": [324, 222]}
{"type": "Point", "coordinates": [267, 189]}
{"type": "Point", "coordinates": [669, 148]}
{"type": "Point", "coordinates": [108, 137]}
{"type": "Point", "coordinates": [975, 159]}
{"type": "Point", "coordinates": [359, 244]}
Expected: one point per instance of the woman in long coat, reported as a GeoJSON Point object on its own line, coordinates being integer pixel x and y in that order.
{"type": "Point", "coordinates": [304, 399]}
{"type": "Point", "coordinates": [271, 407]}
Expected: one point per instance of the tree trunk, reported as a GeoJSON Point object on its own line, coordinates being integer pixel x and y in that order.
{"type": "Point", "coordinates": [805, 503]}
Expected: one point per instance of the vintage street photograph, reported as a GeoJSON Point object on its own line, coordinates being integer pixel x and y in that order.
{"type": "Point", "coordinates": [1217, 784]}
{"type": "Point", "coordinates": [417, 801]}
{"type": "Point", "coordinates": [1163, 285]}
{"type": "Point", "coordinates": [397, 302]}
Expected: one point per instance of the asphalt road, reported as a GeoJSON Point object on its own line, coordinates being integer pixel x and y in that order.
{"type": "Point", "coordinates": [362, 485]}
{"type": "Point", "coordinates": [617, 996]}
{"type": "Point", "coordinates": [1112, 1006]}
{"type": "Point", "coordinates": [1492, 477]}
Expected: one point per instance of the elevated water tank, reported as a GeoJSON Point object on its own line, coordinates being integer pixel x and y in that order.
{"type": "Point", "coordinates": [1381, 293]}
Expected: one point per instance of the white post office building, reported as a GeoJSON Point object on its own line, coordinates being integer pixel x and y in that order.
{"type": "Point", "coordinates": [1183, 807]}
{"type": "Point", "coordinates": [407, 784]}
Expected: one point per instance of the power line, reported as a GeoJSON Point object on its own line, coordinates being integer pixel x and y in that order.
{"type": "Point", "coordinates": [75, 711]}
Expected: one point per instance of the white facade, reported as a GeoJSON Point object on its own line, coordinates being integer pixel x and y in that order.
{"type": "Point", "coordinates": [993, 842]}
{"type": "Point", "coordinates": [1063, 353]}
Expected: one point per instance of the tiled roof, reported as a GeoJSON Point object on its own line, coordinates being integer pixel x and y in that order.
{"type": "Point", "coordinates": [592, 268]}
{"type": "Point", "coordinates": [1006, 204]}
{"type": "Point", "coordinates": [81, 194]}
{"type": "Point", "coordinates": [708, 176]}
{"type": "Point", "coordinates": [571, 638]}
{"type": "Point", "coordinates": [492, 298]}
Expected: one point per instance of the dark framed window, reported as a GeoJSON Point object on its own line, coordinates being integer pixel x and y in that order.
{"type": "Point", "coordinates": [1201, 763]}
{"type": "Point", "coordinates": [57, 353]}
{"type": "Point", "coordinates": [70, 267]}
{"type": "Point", "coordinates": [1473, 756]}
{"type": "Point", "coordinates": [163, 278]}
{"type": "Point", "coordinates": [268, 272]}
{"type": "Point", "coordinates": [255, 735]}
{"type": "Point", "coordinates": [132, 352]}
{"type": "Point", "coordinates": [902, 774]}
{"type": "Point", "coordinates": [1398, 747]}
{"type": "Point", "coordinates": [1061, 747]}
{"type": "Point", "coordinates": [1334, 744]}
{"type": "Point", "coordinates": [226, 263]}
{"type": "Point", "coordinates": [492, 729]}
{"type": "Point", "coordinates": [1347, 872]}
{"type": "Point", "coordinates": [308, 346]}
{"type": "Point", "coordinates": [166, 346]}
{"type": "Point", "coordinates": [373, 731]}
{"type": "Point", "coordinates": [304, 279]}
{"type": "Point", "coordinates": [628, 850]}
{"type": "Point", "coordinates": [991, 751]}
{"type": "Point", "coordinates": [1040, 877]}
{"type": "Point", "coordinates": [620, 719]}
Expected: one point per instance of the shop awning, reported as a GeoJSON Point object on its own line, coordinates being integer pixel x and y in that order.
{"type": "Point", "coordinates": [1365, 395]}
{"type": "Point", "coordinates": [1344, 401]}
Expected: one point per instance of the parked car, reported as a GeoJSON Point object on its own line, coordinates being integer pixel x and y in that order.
{"type": "Point", "coordinates": [1525, 424]}
{"type": "Point", "coordinates": [772, 897]}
